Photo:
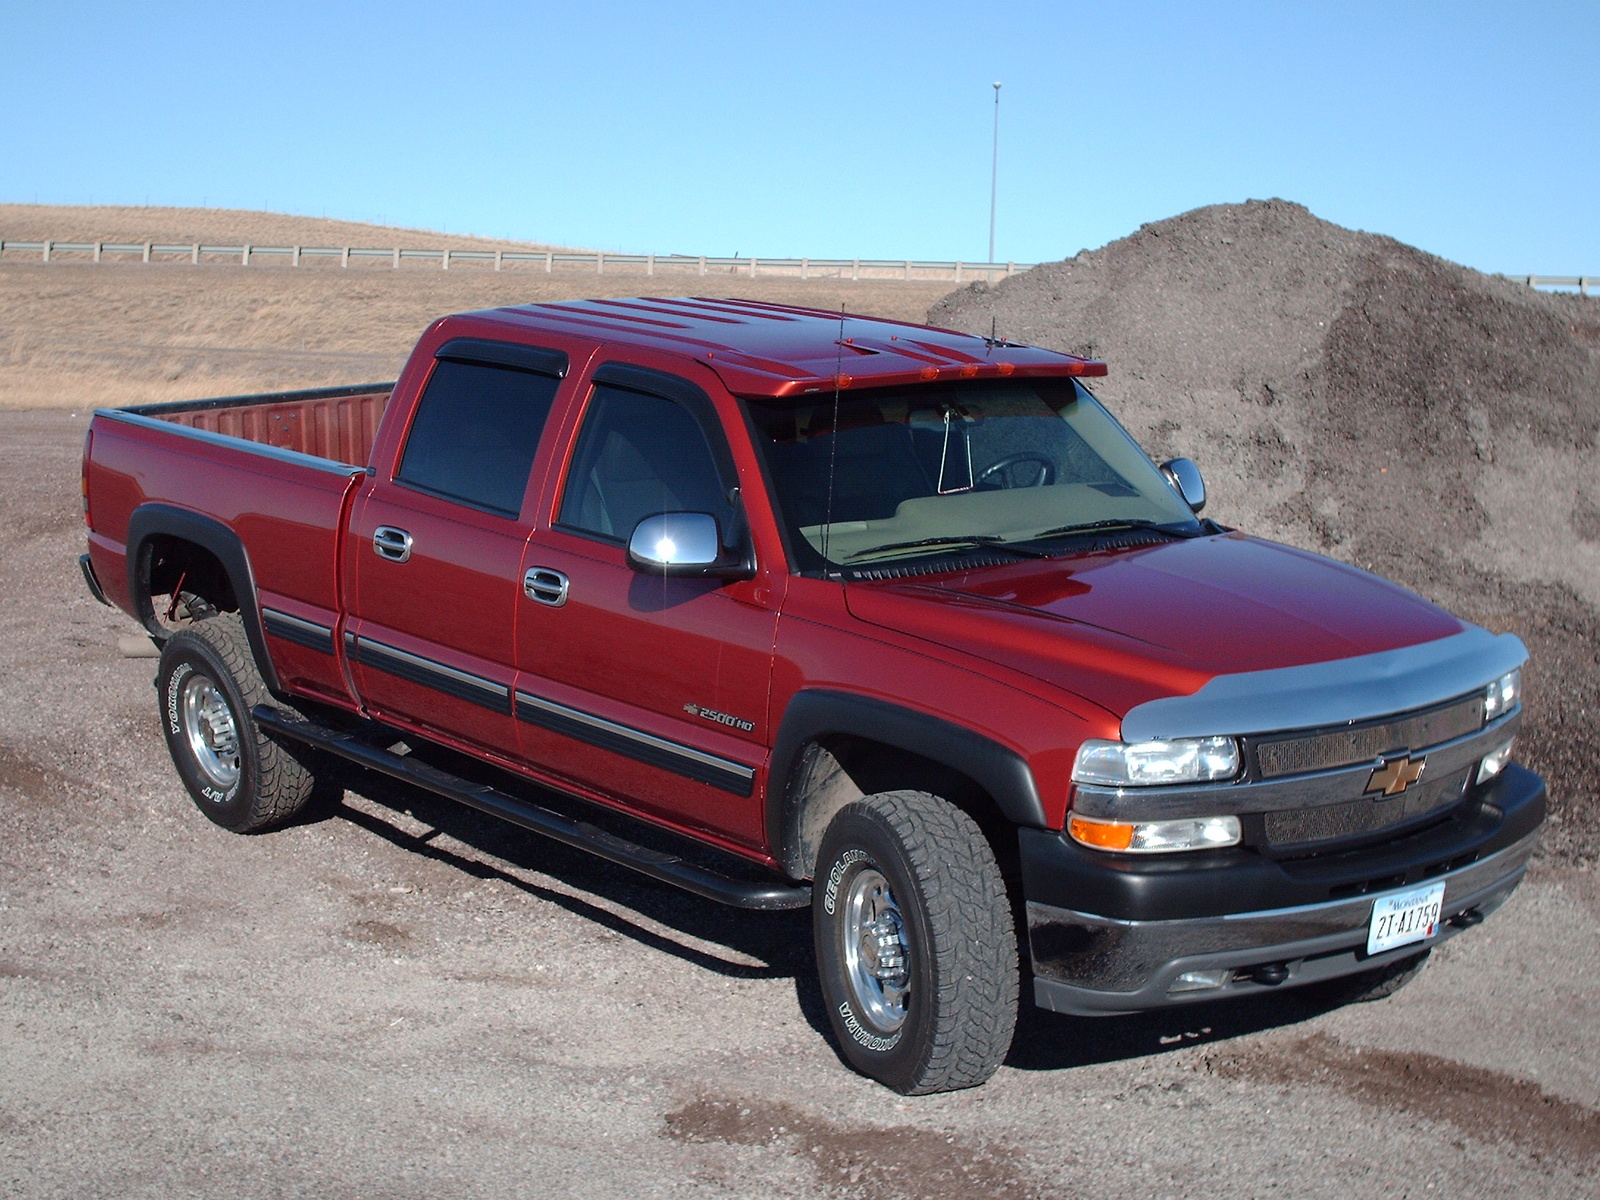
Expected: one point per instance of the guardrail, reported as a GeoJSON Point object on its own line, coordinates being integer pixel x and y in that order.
{"type": "Point", "coordinates": [1582, 282]}
{"type": "Point", "coordinates": [597, 262]}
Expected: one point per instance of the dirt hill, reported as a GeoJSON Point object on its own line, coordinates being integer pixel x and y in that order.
{"type": "Point", "coordinates": [1355, 396]}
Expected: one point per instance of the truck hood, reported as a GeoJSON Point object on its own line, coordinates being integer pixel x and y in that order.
{"type": "Point", "coordinates": [1126, 626]}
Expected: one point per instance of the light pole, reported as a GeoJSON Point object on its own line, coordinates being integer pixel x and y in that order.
{"type": "Point", "coordinates": [994, 174]}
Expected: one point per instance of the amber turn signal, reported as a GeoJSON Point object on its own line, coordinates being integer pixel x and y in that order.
{"type": "Point", "coordinates": [1107, 835]}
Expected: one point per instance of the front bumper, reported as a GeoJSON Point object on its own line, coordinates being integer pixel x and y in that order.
{"type": "Point", "coordinates": [1110, 934]}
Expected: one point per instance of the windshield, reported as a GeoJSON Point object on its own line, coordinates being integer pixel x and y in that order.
{"type": "Point", "coordinates": [945, 467]}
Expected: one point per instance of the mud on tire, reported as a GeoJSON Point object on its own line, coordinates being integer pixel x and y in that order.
{"type": "Point", "coordinates": [208, 682]}
{"type": "Point", "coordinates": [916, 947]}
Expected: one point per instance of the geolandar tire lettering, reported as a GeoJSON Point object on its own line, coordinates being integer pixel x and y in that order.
{"type": "Point", "coordinates": [208, 682]}
{"type": "Point", "coordinates": [916, 948]}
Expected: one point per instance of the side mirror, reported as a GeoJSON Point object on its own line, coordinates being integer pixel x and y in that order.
{"type": "Point", "coordinates": [684, 545]}
{"type": "Point", "coordinates": [1185, 479]}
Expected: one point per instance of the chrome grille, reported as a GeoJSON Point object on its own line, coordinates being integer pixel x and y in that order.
{"type": "Point", "coordinates": [1371, 814]}
{"type": "Point", "coordinates": [1300, 754]}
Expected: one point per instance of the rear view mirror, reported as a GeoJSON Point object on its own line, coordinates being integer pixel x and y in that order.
{"type": "Point", "coordinates": [684, 544]}
{"type": "Point", "coordinates": [1185, 479]}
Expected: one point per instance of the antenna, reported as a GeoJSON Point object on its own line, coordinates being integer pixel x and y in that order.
{"type": "Point", "coordinates": [994, 174]}
{"type": "Point", "coordinates": [833, 442]}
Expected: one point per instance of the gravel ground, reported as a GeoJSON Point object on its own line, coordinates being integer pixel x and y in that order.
{"type": "Point", "coordinates": [397, 998]}
{"type": "Point", "coordinates": [1354, 396]}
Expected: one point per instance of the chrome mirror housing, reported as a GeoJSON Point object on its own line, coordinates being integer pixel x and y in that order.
{"type": "Point", "coordinates": [1184, 476]}
{"type": "Point", "coordinates": [683, 544]}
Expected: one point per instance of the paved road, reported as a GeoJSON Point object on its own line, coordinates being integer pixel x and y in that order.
{"type": "Point", "coordinates": [397, 998]}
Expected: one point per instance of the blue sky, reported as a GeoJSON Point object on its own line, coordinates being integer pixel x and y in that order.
{"type": "Point", "coordinates": [823, 129]}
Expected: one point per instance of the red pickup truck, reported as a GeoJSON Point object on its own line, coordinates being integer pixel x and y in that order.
{"type": "Point", "coordinates": [890, 621]}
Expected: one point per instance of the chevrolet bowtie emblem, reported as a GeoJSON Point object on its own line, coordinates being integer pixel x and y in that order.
{"type": "Point", "coordinates": [1396, 775]}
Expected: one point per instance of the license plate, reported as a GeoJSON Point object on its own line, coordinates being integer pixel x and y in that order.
{"type": "Point", "coordinates": [1405, 918]}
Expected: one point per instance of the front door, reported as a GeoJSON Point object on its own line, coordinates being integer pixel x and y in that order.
{"type": "Point", "coordinates": [651, 690]}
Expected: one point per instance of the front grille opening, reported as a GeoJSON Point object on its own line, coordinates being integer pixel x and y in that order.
{"type": "Point", "coordinates": [1346, 746]}
{"type": "Point", "coordinates": [1293, 828]}
{"type": "Point", "coordinates": [1366, 887]}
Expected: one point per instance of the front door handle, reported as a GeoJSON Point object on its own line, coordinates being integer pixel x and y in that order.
{"type": "Point", "coordinates": [391, 543]}
{"type": "Point", "coordinates": [545, 586]}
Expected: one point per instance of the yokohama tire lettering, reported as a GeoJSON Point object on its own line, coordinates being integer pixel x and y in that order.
{"type": "Point", "coordinates": [859, 1034]}
{"type": "Point", "coordinates": [174, 686]}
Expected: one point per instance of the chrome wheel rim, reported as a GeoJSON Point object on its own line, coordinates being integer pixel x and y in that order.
{"type": "Point", "coordinates": [212, 732]}
{"type": "Point", "coordinates": [877, 955]}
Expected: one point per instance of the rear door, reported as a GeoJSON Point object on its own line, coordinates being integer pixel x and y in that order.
{"type": "Point", "coordinates": [650, 690]}
{"type": "Point", "coordinates": [437, 542]}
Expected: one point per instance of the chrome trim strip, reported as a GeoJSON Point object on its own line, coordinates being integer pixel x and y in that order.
{"type": "Point", "coordinates": [436, 668]}
{"type": "Point", "coordinates": [277, 453]}
{"type": "Point", "coordinates": [637, 735]}
{"type": "Point", "coordinates": [1331, 693]}
{"type": "Point", "coordinates": [1312, 790]}
{"type": "Point", "coordinates": [297, 630]}
{"type": "Point", "coordinates": [298, 622]}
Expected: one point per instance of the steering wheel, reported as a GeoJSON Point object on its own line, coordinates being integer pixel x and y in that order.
{"type": "Point", "coordinates": [999, 474]}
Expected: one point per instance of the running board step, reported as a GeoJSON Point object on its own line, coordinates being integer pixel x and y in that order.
{"type": "Point", "coordinates": [667, 868]}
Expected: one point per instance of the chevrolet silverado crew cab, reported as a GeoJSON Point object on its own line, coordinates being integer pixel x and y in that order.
{"type": "Point", "coordinates": [888, 621]}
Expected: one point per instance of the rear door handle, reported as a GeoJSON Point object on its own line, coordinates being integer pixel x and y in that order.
{"type": "Point", "coordinates": [545, 586]}
{"type": "Point", "coordinates": [391, 543]}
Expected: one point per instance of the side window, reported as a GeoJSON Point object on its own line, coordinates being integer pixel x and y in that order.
{"type": "Point", "coordinates": [475, 434]}
{"type": "Point", "coordinates": [638, 455]}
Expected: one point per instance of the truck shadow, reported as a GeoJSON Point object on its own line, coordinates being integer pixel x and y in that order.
{"type": "Point", "coordinates": [774, 945]}
{"type": "Point", "coordinates": [779, 943]}
{"type": "Point", "coordinates": [1048, 1041]}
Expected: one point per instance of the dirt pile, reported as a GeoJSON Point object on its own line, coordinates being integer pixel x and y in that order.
{"type": "Point", "coordinates": [1355, 396]}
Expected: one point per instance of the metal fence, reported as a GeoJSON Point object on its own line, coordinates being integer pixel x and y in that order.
{"type": "Point", "coordinates": [597, 262]}
{"type": "Point", "coordinates": [1582, 282]}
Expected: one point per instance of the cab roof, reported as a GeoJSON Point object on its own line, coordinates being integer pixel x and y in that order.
{"type": "Point", "coordinates": [782, 350]}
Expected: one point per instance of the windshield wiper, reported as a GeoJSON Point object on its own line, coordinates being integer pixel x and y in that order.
{"type": "Point", "coordinates": [986, 541]}
{"type": "Point", "coordinates": [1112, 523]}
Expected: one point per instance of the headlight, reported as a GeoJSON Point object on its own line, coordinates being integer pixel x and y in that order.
{"type": "Point", "coordinates": [1148, 764]}
{"type": "Point", "coordinates": [1502, 695]}
{"type": "Point", "coordinates": [1155, 837]}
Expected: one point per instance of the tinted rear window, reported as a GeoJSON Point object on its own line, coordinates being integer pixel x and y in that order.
{"type": "Point", "coordinates": [475, 434]}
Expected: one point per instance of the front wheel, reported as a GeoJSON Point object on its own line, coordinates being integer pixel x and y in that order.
{"type": "Point", "coordinates": [916, 948]}
{"type": "Point", "coordinates": [208, 683]}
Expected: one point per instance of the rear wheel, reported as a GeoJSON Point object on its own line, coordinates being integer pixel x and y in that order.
{"type": "Point", "coordinates": [208, 682]}
{"type": "Point", "coordinates": [916, 948]}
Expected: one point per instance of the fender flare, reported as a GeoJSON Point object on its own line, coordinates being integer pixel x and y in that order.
{"type": "Point", "coordinates": [166, 520]}
{"type": "Point", "coordinates": [1001, 772]}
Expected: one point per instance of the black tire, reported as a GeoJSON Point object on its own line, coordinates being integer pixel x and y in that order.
{"type": "Point", "coordinates": [916, 946]}
{"type": "Point", "coordinates": [1372, 985]}
{"type": "Point", "coordinates": [208, 682]}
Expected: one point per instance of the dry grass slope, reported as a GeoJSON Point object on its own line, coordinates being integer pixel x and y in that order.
{"type": "Point", "coordinates": [80, 334]}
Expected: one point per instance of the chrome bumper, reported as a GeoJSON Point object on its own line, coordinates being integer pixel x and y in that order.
{"type": "Point", "coordinates": [1097, 966]}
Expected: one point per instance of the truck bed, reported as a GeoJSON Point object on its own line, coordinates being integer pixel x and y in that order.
{"type": "Point", "coordinates": [333, 423]}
